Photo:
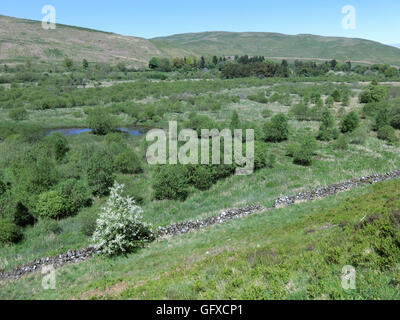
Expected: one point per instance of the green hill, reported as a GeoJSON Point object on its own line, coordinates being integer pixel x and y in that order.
{"type": "Point", "coordinates": [275, 45]}
{"type": "Point", "coordinates": [21, 38]}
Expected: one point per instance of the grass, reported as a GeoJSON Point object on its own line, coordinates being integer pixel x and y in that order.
{"type": "Point", "coordinates": [296, 252]}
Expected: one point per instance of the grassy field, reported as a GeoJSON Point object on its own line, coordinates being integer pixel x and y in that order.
{"type": "Point", "coordinates": [293, 253]}
{"type": "Point", "coordinates": [268, 256]}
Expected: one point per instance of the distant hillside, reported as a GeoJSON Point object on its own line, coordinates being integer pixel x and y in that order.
{"type": "Point", "coordinates": [21, 38]}
{"type": "Point", "coordinates": [280, 46]}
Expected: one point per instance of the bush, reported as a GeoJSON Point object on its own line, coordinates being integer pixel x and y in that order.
{"type": "Point", "coordinates": [200, 176]}
{"type": "Point", "coordinates": [342, 143]}
{"type": "Point", "coordinates": [382, 119]}
{"type": "Point", "coordinates": [300, 111]}
{"type": "Point", "coordinates": [100, 172]}
{"type": "Point", "coordinates": [261, 159]}
{"type": "Point", "coordinates": [58, 145]}
{"type": "Point", "coordinates": [374, 93]}
{"type": "Point", "coordinates": [2, 187]}
{"type": "Point", "coordinates": [128, 162]}
{"type": "Point", "coordinates": [9, 232]}
{"type": "Point", "coordinates": [387, 133]}
{"type": "Point", "coordinates": [170, 182]}
{"type": "Point", "coordinates": [266, 113]}
{"type": "Point", "coordinates": [51, 205]}
{"type": "Point", "coordinates": [18, 114]}
{"type": "Point", "coordinates": [350, 122]}
{"type": "Point", "coordinates": [75, 194]}
{"type": "Point", "coordinates": [304, 152]}
{"type": "Point", "coordinates": [327, 130]}
{"type": "Point", "coordinates": [336, 95]}
{"type": "Point", "coordinates": [120, 228]}
{"type": "Point", "coordinates": [100, 122]}
{"type": "Point", "coordinates": [359, 136]}
{"type": "Point", "coordinates": [277, 129]}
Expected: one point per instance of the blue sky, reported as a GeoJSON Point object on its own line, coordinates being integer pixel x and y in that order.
{"type": "Point", "coordinates": [376, 20]}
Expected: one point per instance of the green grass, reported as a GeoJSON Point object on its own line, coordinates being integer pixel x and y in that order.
{"type": "Point", "coordinates": [296, 252]}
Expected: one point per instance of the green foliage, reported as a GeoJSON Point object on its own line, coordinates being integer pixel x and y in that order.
{"type": "Point", "coordinates": [382, 119]}
{"type": "Point", "coordinates": [58, 145]}
{"type": "Point", "coordinates": [100, 122]}
{"type": "Point", "coordinates": [350, 122]}
{"type": "Point", "coordinates": [304, 152]}
{"type": "Point", "coordinates": [266, 113]}
{"type": "Point", "coordinates": [327, 130]}
{"type": "Point", "coordinates": [301, 112]}
{"type": "Point", "coordinates": [51, 204]}
{"type": "Point", "coordinates": [277, 129]}
{"type": "Point", "coordinates": [170, 182]}
{"type": "Point", "coordinates": [18, 114]}
{"type": "Point", "coordinates": [336, 95]}
{"type": "Point", "coordinates": [100, 172]}
{"type": "Point", "coordinates": [342, 143]}
{"type": "Point", "coordinates": [120, 227]}
{"type": "Point", "coordinates": [128, 162]}
{"type": "Point", "coordinates": [387, 133]}
{"type": "Point", "coordinates": [259, 97]}
{"type": "Point", "coordinates": [261, 157]}
{"type": "Point", "coordinates": [9, 232]}
{"type": "Point", "coordinates": [75, 195]}
{"type": "Point", "coordinates": [374, 93]}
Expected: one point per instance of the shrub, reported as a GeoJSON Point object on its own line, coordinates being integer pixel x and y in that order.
{"type": "Point", "coordinates": [51, 205]}
{"type": "Point", "coordinates": [266, 113]}
{"type": "Point", "coordinates": [374, 93]}
{"type": "Point", "coordinates": [75, 194]}
{"type": "Point", "coordinates": [350, 122]}
{"type": "Point", "coordinates": [200, 176]}
{"type": "Point", "coordinates": [387, 133]}
{"type": "Point", "coordinates": [170, 182]}
{"type": "Point", "coordinates": [9, 232]}
{"type": "Point", "coordinates": [342, 143]}
{"type": "Point", "coordinates": [120, 228]}
{"type": "Point", "coordinates": [277, 129]}
{"type": "Point", "coordinates": [327, 131]}
{"type": "Point", "coordinates": [382, 119]}
{"type": "Point", "coordinates": [304, 152]}
{"type": "Point", "coordinates": [100, 122]}
{"type": "Point", "coordinates": [359, 136]}
{"type": "Point", "coordinates": [261, 159]}
{"type": "Point", "coordinates": [22, 216]}
{"type": "Point", "coordinates": [336, 95]}
{"type": "Point", "coordinates": [373, 108]}
{"type": "Point", "coordinates": [395, 117]}
{"type": "Point", "coordinates": [2, 187]}
{"type": "Point", "coordinates": [100, 172]}
{"type": "Point", "coordinates": [300, 111]}
{"type": "Point", "coordinates": [18, 114]}
{"type": "Point", "coordinates": [58, 144]}
{"type": "Point", "coordinates": [128, 162]}
{"type": "Point", "coordinates": [329, 102]}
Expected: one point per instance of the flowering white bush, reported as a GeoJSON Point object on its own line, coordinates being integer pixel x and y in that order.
{"type": "Point", "coordinates": [120, 228]}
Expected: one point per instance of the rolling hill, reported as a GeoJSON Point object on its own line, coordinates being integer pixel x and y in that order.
{"type": "Point", "coordinates": [302, 46]}
{"type": "Point", "coordinates": [20, 38]}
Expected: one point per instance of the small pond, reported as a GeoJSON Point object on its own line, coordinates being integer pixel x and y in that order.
{"type": "Point", "coordinates": [75, 131]}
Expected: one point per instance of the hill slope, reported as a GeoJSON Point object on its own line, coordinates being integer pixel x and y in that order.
{"type": "Point", "coordinates": [280, 45]}
{"type": "Point", "coordinates": [21, 38]}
